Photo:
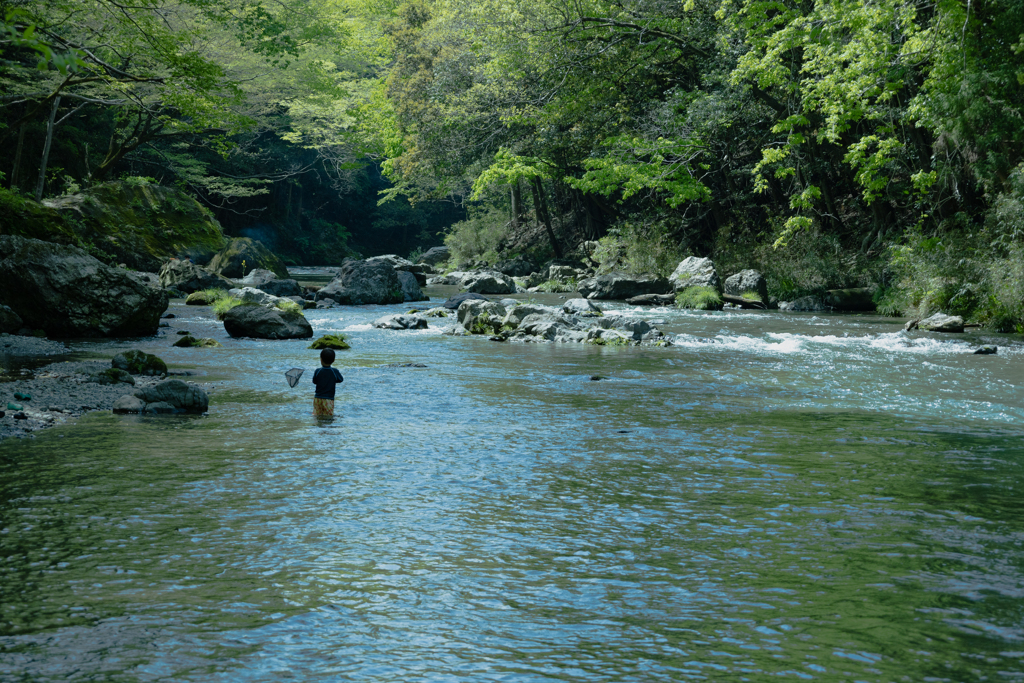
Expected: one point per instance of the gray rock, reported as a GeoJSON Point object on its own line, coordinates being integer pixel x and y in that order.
{"type": "Point", "coordinates": [364, 282]}
{"type": "Point", "coordinates": [183, 397]}
{"type": "Point", "coordinates": [10, 322]}
{"type": "Point", "coordinates": [435, 255]}
{"type": "Point", "coordinates": [694, 272]}
{"type": "Point", "coordinates": [482, 317]}
{"type": "Point", "coordinates": [940, 322]}
{"type": "Point", "coordinates": [129, 405]}
{"type": "Point", "coordinates": [986, 350]}
{"type": "Point", "coordinates": [262, 322]}
{"type": "Point", "coordinates": [66, 292]}
{"type": "Point", "coordinates": [582, 307]}
{"type": "Point", "coordinates": [436, 312]}
{"type": "Point", "coordinates": [187, 277]}
{"type": "Point", "coordinates": [401, 322]}
{"type": "Point", "coordinates": [516, 314]}
{"type": "Point", "coordinates": [452, 279]}
{"type": "Point", "coordinates": [489, 282]}
{"type": "Point", "coordinates": [159, 408]}
{"type": "Point", "coordinates": [251, 295]}
{"type": "Point", "coordinates": [804, 304]}
{"type": "Point", "coordinates": [149, 279]}
{"type": "Point", "coordinates": [747, 281]}
{"type": "Point", "coordinates": [561, 273]}
{"type": "Point", "coordinates": [617, 285]}
{"type": "Point", "coordinates": [411, 287]}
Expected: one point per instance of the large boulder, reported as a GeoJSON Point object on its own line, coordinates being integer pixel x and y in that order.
{"type": "Point", "coordinates": [401, 264]}
{"type": "Point", "coordinates": [251, 295]}
{"type": "Point", "coordinates": [363, 282]}
{"type": "Point", "coordinates": [480, 317]}
{"type": "Point", "coordinates": [516, 314]}
{"type": "Point", "coordinates": [583, 308]}
{"type": "Point", "coordinates": [10, 322]}
{"type": "Point", "coordinates": [264, 322]}
{"type": "Point", "coordinates": [435, 255]}
{"type": "Point", "coordinates": [488, 282]}
{"type": "Point", "coordinates": [940, 322]}
{"type": "Point", "coordinates": [187, 277]}
{"type": "Point", "coordinates": [182, 397]}
{"type": "Point", "coordinates": [695, 272]}
{"type": "Point", "coordinates": [617, 285]}
{"type": "Point", "coordinates": [401, 322]}
{"type": "Point", "coordinates": [854, 299]}
{"type": "Point", "coordinates": [453, 278]}
{"type": "Point", "coordinates": [410, 286]}
{"type": "Point", "coordinates": [244, 254]}
{"type": "Point", "coordinates": [68, 293]}
{"type": "Point", "coordinates": [745, 283]}
{"type": "Point", "coordinates": [267, 281]}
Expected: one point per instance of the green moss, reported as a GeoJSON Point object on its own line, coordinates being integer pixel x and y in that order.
{"type": "Point", "coordinates": [224, 304]}
{"type": "Point", "coordinates": [139, 363]}
{"type": "Point", "coordinates": [752, 296]}
{"type": "Point", "coordinates": [700, 299]}
{"type": "Point", "coordinates": [188, 341]}
{"type": "Point", "coordinates": [558, 286]}
{"type": "Point", "coordinates": [483, 324]}
{"type": "Point", "coordinates": [614, 341]}
{"type": "Point", "coordinates": [331, 341]}
{"type": "Point", "coordinates": [27, 218]}
{"type": "Point", "coordinates": [289, 306]}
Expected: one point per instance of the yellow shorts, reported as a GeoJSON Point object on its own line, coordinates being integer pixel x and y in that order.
{"type": "Point", "coordinates": [323, 407]}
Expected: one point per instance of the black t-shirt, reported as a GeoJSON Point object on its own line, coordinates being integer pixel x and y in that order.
{"type": "Point", "coordinates": [325, 379]}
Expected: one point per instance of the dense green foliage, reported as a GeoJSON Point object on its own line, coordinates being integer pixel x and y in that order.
{"type": "Point", "coordinates": [827, 143]}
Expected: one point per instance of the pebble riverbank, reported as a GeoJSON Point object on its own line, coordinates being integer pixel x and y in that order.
{"type": "Point", "coordinates": [59, 391]}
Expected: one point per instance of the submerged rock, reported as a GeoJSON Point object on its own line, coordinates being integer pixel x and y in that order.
{"type": "Point", "coordinates": [263, 322]}
{"type": "Point", "coordinates": [331, 341]}
{"type": "Point", "coordinates": [986, 350]}
{"type": "Point", "coordinates": [168, 397]}
{"type": "Point", "coordinates": [68, 293]}
{"type": "Point", "coordinates": [401, 322]}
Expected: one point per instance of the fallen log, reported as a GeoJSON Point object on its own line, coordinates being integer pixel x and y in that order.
{"type": "Point", "coordinates": [743, 302]}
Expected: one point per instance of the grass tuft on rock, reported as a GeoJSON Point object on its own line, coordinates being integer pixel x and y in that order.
{"type": "Point", "coordinates": [224, 304]}
{"type": "Point", "coordinates": [699, 299]}
{"type": "Point", "coordinates": [752, 296]}
{"type": "Point", "coordinates": [331, 341]}
{"type": "Point", "coordinates": [558, 286]}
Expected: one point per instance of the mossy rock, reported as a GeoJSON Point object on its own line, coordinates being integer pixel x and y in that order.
{"type": "Point", "coordinates": [190, 342]}
{"type": "Point", "coordinates": [699, 298]}
{"type": "Point", "coordinates": [139, 363]}
{"type": "Point", "coordinates": [140, 225]}
{"type": "Point", "coordinates": [201, 298]}
{"type": "Point", "coordinates": [242, 255]}
{"type": "Point", "coordinates": [331, 341]}
{"type": "Point", "coordinates": [24, 217]}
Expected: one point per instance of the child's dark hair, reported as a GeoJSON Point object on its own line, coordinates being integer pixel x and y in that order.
{"type": "Point", "coordinates": [327, 356]}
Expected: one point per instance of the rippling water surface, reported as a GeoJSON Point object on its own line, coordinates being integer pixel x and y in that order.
{"type": "Point", "coordinates": [775, 496]}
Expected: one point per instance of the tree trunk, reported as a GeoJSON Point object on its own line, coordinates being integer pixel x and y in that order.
{"type": "Point", "coordinates": [541, 207]}
{"type": "Point", "coordinates": [46, 148]}
{"type": "Point", "coordinates": [517, 204]}
{"type": "Point", "coordinates": [16, 171]}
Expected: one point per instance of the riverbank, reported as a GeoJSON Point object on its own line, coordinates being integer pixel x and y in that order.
{"type": "Point", "coordinates": [58, 391]}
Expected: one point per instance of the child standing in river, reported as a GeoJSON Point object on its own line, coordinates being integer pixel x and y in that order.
{"type": "Point", "coordinates": [325, 378]}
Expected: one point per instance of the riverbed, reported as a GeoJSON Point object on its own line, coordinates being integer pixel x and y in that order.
{"type": "Point", "coordinates": [774, 496]}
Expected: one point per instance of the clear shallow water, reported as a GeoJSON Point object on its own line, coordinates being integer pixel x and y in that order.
{"type": "Point", "coordinates": [819, 498]}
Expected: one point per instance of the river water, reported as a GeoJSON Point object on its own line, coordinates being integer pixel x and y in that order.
{"type": "Point", "coordinates": [776, 496]}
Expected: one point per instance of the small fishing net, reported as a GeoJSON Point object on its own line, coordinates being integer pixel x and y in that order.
{"type": "Point", "coordinates": [293, 376]}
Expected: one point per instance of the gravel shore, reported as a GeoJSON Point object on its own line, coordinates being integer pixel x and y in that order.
{"type": "Point", "coordinates": [59, 391]}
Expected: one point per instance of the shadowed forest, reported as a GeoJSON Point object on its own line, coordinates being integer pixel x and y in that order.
{"type": "Point", "coordinates": [827, 143]}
